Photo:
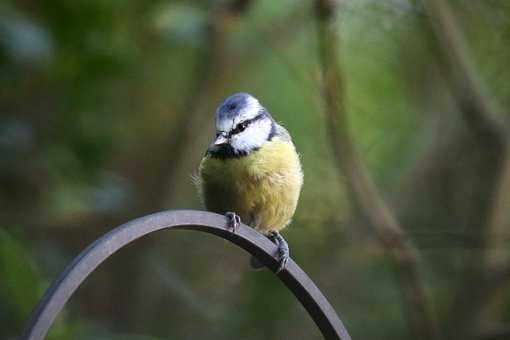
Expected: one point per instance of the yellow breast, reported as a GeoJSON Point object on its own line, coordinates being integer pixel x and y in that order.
{"type": "Point", "coordinates": [263, 187]}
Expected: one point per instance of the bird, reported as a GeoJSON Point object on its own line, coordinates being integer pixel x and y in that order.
{"type": "Point", "coordinates": [251, 171]}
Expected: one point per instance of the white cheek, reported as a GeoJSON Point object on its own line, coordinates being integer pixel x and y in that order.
{"type": "Point", "coordinates": [253, 137]}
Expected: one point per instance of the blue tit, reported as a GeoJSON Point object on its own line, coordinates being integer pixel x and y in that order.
{"type": "Point", "coordinates": [251, 170]}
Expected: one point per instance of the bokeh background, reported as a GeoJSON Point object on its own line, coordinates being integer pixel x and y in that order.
{"type": "Point", "coordinates": [106, 108]}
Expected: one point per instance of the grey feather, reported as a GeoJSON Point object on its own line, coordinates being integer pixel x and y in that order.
{"type": "Point", "coordinates": [282, 133]}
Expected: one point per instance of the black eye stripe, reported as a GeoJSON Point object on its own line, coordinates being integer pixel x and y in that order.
{"type": "Point", "coordinates": [239, 128]}
{"type": "Point", "coordinates": [243, 125]}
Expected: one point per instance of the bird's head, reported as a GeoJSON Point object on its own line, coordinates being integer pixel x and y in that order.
{"type": "Point", "coordinates": [242, 126]}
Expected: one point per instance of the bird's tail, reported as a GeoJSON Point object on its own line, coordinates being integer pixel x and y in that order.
{"type": "Point", "coordinates": [256, 264]}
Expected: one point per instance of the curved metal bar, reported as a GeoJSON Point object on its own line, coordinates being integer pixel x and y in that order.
{"type": "Point", "coordinates": [247, 238]}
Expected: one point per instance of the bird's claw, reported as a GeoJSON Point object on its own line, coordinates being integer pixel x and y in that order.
{"type": "Point", "coordinates": [283, 250]}
{"type": "Point", "coordinates": [233, 221]}
{"type": "Point", "coordinates": [282, 262]}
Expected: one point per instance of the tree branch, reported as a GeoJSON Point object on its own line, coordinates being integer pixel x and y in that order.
{"type": "Point", "coordinates": [482, 119]}
{"type": "Point", "coordinates": [362, 188]}
{"type": "Point", "coordinates": [499, 217]}
{"type": "Point", "coordinates": [478, 111]}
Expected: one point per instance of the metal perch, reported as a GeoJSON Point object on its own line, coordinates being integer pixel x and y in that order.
{"type": "Point", "coordinates": [247, 238]}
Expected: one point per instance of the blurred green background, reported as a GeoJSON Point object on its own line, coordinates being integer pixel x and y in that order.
{"type": "Point", "coordinates": [106, 108]}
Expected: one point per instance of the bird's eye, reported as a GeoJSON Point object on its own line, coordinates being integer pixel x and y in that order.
{"type": "Point", "coordinates": [240, 127]}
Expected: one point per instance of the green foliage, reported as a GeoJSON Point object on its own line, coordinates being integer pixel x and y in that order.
{"type": "Point", "coordinates": [94, 92]}
{"type": "Point", "coordinates": [21, 285]}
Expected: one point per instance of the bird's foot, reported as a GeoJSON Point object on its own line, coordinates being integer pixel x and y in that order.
{"type": "Point", "coordinates": [233, 221]}
{"type": "Point", "coordinates": [283, 249]}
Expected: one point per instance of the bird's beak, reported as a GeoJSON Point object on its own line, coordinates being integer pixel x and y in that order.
{"type": "Point", "coordinates": [222, 138]}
